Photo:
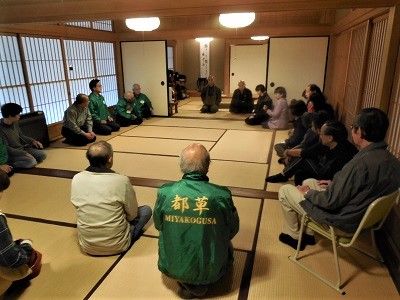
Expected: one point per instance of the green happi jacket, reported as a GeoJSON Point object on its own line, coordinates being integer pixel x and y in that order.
{"type": "Point", "coordinates": [98, 107]}
{"type": "Point", "coordinates": [197, 221]}
{"type": "Point", "coordinates": [140, 103]}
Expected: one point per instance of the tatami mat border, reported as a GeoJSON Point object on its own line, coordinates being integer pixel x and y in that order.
{"type": "Point", "coordinates": [98, 283]}
{"type": "Point", "coordinates": [163, 138]}
{"type": "Point", "coordinates": [40, 220]}
{"type": "Point", "coordinates": [155, 183]}
{"type": "Point", "coordinates": [269, 159]}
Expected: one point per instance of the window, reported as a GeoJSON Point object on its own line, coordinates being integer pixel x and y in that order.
{"type": "Point", "coordinates": [45, 69]}
{"type": "Point", "coordinates": [12, 83]}
{"type": "Point", "coordinates": [105, 25]}
{"type": "Point", "coordinates": [105, 67]}
{"type": "Point", "coordinates": [79, 56]}
{"type": "Point", "coordinates": [170, 58]}
{"type": "Point", "coordinates": [79, 24]}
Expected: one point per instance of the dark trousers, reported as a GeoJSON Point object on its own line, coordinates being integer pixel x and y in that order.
{"type": "Point", "coordinates": [280, 149]}
{"type": "Point", "coordinates": [303, 169]}
{"type": "Point", "coordinates": [209, 108]}
{"type": "Point", "coordinates": [105, 129]}
{"type": "Point", "coordinates": [146, 112]}
{"type": "Point", "coordinates": [257, 120]}
{"type": "Point", "coordinates": [124, 122]}
{"type": "Point", "coordinates": [76, 139]}
{"type": "Point", "coordinates": [241, 107]}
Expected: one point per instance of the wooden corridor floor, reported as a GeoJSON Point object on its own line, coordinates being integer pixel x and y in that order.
{"type": "Point", "coordinates": [37, 205]}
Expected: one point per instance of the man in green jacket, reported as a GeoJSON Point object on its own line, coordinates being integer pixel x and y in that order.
{"type": "Point", "coordinates": [103, 123]}
{"type": "Point", "coordinates": [142, 103]}
{"type": "Point", "coordinates": [125, 113]}
{"type": "Point", "coordinates": [197, 221]}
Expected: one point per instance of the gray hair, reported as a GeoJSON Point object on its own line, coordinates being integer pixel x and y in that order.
{"type": "Point", "coordinates": [195, 158]}
{"type": "Point", "coordinates": [99, 153]}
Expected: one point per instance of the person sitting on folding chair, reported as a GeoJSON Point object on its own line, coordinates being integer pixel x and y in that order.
{"type": "Point", "coordinates": [373, 172]}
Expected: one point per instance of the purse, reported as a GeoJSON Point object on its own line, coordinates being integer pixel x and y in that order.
{"type": "Point", "coordinates": [35, 263]}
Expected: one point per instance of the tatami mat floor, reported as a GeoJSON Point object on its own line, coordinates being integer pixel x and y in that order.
{"type": "Point", "coordinates": [38, 207]}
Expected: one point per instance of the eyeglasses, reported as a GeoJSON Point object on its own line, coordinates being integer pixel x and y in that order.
{"type": "Point", "coordinates": [354, 127]}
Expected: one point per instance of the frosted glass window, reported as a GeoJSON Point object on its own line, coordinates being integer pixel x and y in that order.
{"type": "Point", "coordinates": [170, 57]}
{"type": "Point", "coordinates": [80, 66]}
{"type": "Point", "coordinates": [46, 76]}
{"type": "Point", "coordinates": [105, 67]}
{"type": "Point", "coordinates": [79, 24]}
{"type": "Point", "coordinates": [12, 83]}
{"type": "Point", "coordinates": [105, 25]}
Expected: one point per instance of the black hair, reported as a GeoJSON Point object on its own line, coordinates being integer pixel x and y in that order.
{"type": "Point", "coordinates": [315, 89]}
{"type": "Point", "coordinates": [374, 124]}
{"type": "Point", "coordinates": [10, 110]}
{"type": "Point", "coordinates": [280, 90]}
{"type": "Point", "coordinates": [298, 107]}
{"type": "Point", "coordinates": [93, 83]}
{"type": "Point", "coordinates": [307, 119]}
{"type": "Point", "coordinates": [319, 119]}
{"type": "Point", "coordinates": [4, 181]}
{"type": "Point", "coordinates": [337, 130]}
{"type": "Point", "coordinates": [260, 88]}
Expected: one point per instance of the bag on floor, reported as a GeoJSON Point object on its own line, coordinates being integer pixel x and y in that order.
{"type": "Point", "coordinates": [35, 263]}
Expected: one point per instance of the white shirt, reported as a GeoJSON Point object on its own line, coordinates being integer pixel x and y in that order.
{"type": "Point", "coordinates": [105, 204]}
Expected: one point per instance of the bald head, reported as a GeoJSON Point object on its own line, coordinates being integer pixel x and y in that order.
{"type": "Point", "coordinates": [128, 96]}
{"type": "Point", "coordinates": [241, 85]}
{"type": "Point", "coordinates": [195, 158]}
{"type": "Point", "coordinates": [211, 80]}
{"type": "Point", "coordinates": [100, 155]}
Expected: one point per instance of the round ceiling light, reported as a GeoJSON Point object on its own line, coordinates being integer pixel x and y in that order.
{"type": "Point", "coordinates": [237, 20]}
{"type": "Point", "coordinates": [143, 24]}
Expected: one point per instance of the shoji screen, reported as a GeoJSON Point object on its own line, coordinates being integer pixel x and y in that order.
{"type": "Point", "coordinates": [374, 61]}
{"type": "Point", "coordinates": [12, 83]}
{"type": "Point", "coordinates": [354, 73]}
{"type": "Point", "coordinates": [46, 76]}
{"type": "Point", "coordinates": [79, 56]}
{"type": "Point", "coordinates": [105, 71]}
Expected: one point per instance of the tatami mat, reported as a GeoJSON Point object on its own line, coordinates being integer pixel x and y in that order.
{"type": "Point", "coordinates": [39, 197]}
{"type": "Point", "coordinates": [153, 145]}
{"type": "Point", "coordinates": [248, 146]}
{"type": "Point", "coordinates": [227, 173]}
{"type": "Point", "coordinates": [280, 135]}
{"type": "Point", "coordinates": [66, 273]}
{"type": "Point", "coordinates": [199, 134]}
{"type": "Point", "coordinates": [201, 123]}
{"type": "Point", "coordinates": [137, 277]}
{"type": "Point", "coordinates": [277, 277]}
{"type": "Point", "coordinates": [222, 113]}
{"type": "Point", "coordinates": [238, 174]}
{"type": "Point", "coordinates": [59, 143]}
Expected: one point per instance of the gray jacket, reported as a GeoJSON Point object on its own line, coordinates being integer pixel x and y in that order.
{"type": "Point", "coordinates": [373, 172]}
{"type": "Point", "coordinates": [75, 118]}
{"type": "Point", "coordinates": [15, 141]}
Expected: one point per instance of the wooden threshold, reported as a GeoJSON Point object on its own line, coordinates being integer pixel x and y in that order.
{"type": "Point", "coordinates": [154, 183]}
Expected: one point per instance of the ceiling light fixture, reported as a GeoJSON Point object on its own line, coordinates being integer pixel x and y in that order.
{"type": "Point", "coordinates": [237, 20]}
{"type": "Point", "coordinates": [260, 38]}
{"type": "Point", "coordinates": [143, 24]}
{"type": "Point", "coordinates": [204, 39]}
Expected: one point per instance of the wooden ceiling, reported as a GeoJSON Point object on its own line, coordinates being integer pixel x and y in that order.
{"type": "Point", "coordinates": [189, 18]}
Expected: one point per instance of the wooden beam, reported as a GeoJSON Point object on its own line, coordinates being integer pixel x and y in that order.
{"type": "Point", "coordinates": [29, 11]}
